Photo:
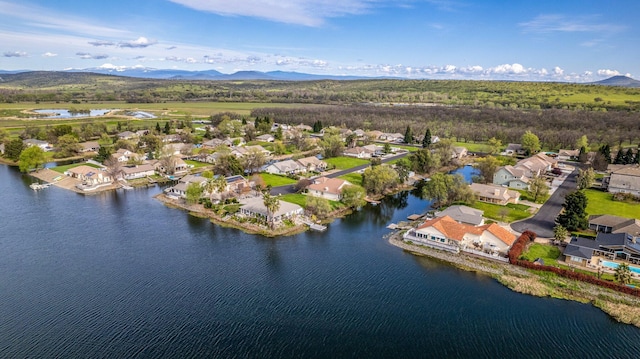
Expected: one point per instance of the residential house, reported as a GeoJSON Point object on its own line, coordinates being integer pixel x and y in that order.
{"type": "Point", "coordinates": [606, 247]}
{"type": "Point", "coordinates": [141, 133]}
{"type": "Point", "coordinates": [171, 138]}
{"type": "Point", "coordinates": [513, 149]}
{"type": "Point", "coordinates": [180, 167]}
{"type": "Point", "coordinates": [459, 152]}
{"type": "Point", "coordinates": [126, 135]}
{"type": "Point", "coordinates": [392, 137]}
{"type": "Point", "coordinates": [180, 189]}
{"type": "Point", "coordinates": [568, 155]}
{"type": "Point", "coordinates": [215, 142]}
{"type": "Point", "coordinates": [357, 152]}
{"type": "Point", "coordinates": [89, 146]}
{"type": "Point", "coordinates": [518, 176]}
{"type": "Point", "coordinates": [303, 127]}
{"type": "Point", "coordinates": [89, 176]}
{"type": "Point", "coordinates": [313, 164]}
{"type": "Point", "coordinates": [238, 184]}
{"type": "Point", "coordinates": [177, 149]}
{"type": "Point", "coordinates": [359, 133]}
{"type": "Point", "coordinates": [124, 155]}
{"type": "Point", "coordinates": [254, 207]}
{"type": "Point", "coordinates": [447, 234]}
{"type": "Point", "coordinates": [511, 177]}
{"type": "Point", "coordinates": [240, 151]}
{"type": "Point", "coordinates": [267, 137]}
{"type": "Point", "coordinates": [286, 167]}
{"type": "Point", "coordinates": [606, 223]}
{"type": "Point", "coordinates": [329, 188]}
{"type": "Point", "coordinates": [374, 135]}
{"type": "Point", "coordinates": [463, 214]}
{"type": "Point", "coordinates": [374, 150]}
{"type": "Point", "coordinates": [494, 194]}
{"type": "Point", "coordinates": [623, 180]}
{"type": "Point", "coordinates": [138, 171]}
{"type": "Point", "coordinates": [44, 145]}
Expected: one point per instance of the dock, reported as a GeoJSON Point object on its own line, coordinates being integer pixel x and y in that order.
{"type": "Point", "coordinates": [415, 217]}
{"type": "Point", "coordinates": [315, 226]}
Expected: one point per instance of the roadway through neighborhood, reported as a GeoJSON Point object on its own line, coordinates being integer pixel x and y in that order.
{"type": "Point", "coordinates": [543, 221]}
{"type": "Point", "coordinates": [290, 188]}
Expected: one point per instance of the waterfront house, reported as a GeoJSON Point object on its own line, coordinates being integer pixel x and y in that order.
{"type": "Point", "coordinates": [44, 145]}
{"type": "Point", "coordinates": [138, 171]}
{"type": "Point", "coordinates": [254, 207]}
{"type": "Point", "coordinates": [89, 176]}
{"type": "Point", "coordinates": [607, 223]}
{"type": "Point", "coordinates": [238, 184]}
{"type": "Point", "coordinates": [445, 233]}
{"type": "Point", "coordinates": [463, 214]}
{"type": "Point", "coordinates": [313, 164]}
{"type": "Point", "coordinates": [89, 146]}
{"type": "Point", "coordinates": [623, 180]}
{"type": "Point", "coordinates": [606, 246]}
{"type": "Point", "coordinates": [286, 167]}
{"type": "Point", "coordinates": [491, 193]}
{"type": "Point", "coordinates": [329, 188]}
{"type": "Point", "coordinates": [180, 189]}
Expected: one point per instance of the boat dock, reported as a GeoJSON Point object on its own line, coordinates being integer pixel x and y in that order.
{"type": "Point", "coordinates": [315, 226]}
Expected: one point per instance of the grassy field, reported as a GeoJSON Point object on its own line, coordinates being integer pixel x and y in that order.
{"type": "Point", "coordinates": [197, 164]}
{"type": "Point", "coordinates": [62, 169]}
{"type": "Point", "coordinates": [343, 163]}
{"type": "Point", "coordinates": [508, 213]}
{"type": "Point", "coordinates": [353, 178]}
{"type": "Point", "coordinates": [275, 180]}
{"type": "Point", "coordinates": [599, 202]}
{"type": "Point", "coordinates": [548, 253]}
{"type": "Point", "coordinates": [178, 109]}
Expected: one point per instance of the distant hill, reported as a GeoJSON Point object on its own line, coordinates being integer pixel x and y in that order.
{"type": "Point", "coordinates": [622, 81]}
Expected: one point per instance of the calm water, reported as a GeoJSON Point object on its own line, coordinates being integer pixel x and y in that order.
{"type": "Point", "coordinates": [120, 275]}
{"type": "Point", "coordinates": [61, 113]}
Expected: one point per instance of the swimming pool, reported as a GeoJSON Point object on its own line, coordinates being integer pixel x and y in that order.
{"type": "Point", "coordinates": [614, 265]}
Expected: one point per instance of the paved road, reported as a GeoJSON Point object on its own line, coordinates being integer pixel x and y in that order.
{"type": "Point", "coordinates": [289, 188]}
{"type": "Point", "coordinates": [543, 221]}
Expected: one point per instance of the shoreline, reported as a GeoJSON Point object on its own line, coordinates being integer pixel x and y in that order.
{"type": "Point", "coordinates": [619, 306]}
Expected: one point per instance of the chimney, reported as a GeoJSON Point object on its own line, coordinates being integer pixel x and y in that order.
{"type": "Point", "coordinates": [496, 192]}
{"type": "Point", "coordinates": [326, 189]}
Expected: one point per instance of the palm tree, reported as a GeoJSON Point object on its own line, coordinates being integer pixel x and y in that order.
{"type": "Point", "coordinates": [623, 274]}
{"type": "Point", "coordinates": [216, 185]}
{"type": "Point", "coordinates": [273, 205]}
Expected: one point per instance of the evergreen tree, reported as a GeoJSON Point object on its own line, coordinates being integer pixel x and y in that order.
{"type": "Point", "coordinates": [408, 135]}
{"type": "Point", "coordinates": [426, 141]}
{"type": "Point", "coordinates": [628, 156]}
{"type": "Point", "coordinates": [167, 128]}
{"type": "Point", "coordinates": [158, 129]}
{"type": "Point", "coordinates": [619, 160]}
{"type": "Point", "coordinates": [605, 150]}
{"type": "Point", "coordinates": [574, 216]}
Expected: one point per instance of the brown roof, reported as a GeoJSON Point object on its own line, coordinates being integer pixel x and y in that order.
{"type": "Point", "coordinates": [328, 185]}
{"type": "Point", "coordinates": [454, 230]}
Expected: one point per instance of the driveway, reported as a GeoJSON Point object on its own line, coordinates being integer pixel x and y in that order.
{"type": "Point", "coordinates": [543, 221]}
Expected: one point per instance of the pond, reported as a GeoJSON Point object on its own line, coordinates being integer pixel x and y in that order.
{"type": "Point", "coordinates": [62, 113]}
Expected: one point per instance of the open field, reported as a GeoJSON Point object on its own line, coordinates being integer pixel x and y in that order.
{"type": "Point", "coordinates": [547, 252]}
{"type": "Point", "coordinates": [275, 180]}
{"type": "Point", "coordinates": [344, 163]}
{"type": "Point", "coordinates": [599, 202]}
{"type": "Point", "coordinates": [509, 213]}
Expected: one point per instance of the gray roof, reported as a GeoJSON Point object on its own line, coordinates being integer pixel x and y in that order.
{"type": "Point", "coordinates": [617, 224]}
{"type": "Point", "coordinates": [256, 205]}
{"type": "Point", "coordinates": [463, 214]}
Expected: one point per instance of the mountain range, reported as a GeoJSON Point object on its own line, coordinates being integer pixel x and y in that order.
{"type": "Point", "coordinates": [167, 74]}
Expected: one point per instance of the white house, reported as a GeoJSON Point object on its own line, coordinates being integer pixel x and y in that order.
{"type": "Point", "coordinates": [139, 171]}
{"type": "Point", "coordinates": [329, 188]}
{"type": "Point", "coordinates": [89, 176]}
{"type": "Point", "coordinates": [44, 145]}
{"type": "Point", "coordinates": [254, 207]}
{"type": "Point", "coordinates": [313, 164]}
{"type": "Point", "coordinates": [285, 167]}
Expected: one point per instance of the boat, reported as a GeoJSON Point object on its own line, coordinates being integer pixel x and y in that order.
{"type": "Point", "coordinates": [38, 186]}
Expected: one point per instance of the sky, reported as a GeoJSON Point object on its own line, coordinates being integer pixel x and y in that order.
{"type": "Point", "coordinates": [542, 40]}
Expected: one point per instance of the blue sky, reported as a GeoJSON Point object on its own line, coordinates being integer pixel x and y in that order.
{"type": "Point", "coordinates": [436, 39]}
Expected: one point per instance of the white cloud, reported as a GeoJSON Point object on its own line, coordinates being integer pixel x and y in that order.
{"type": "Point", "coordinates": [141, 42]}
{"type": "Point", "coordinates": [607, 72]}
{"type": "Point", "coordinates": [558, 71]}
{"type": "Point", "coordinates": [89, 56]}
{"type": "Point", "coordinates": [15, 54]}
{"type": "Point", "coordinates": [49, 54]}
{"type": "Point", "coordinates": [508, 69]}
{"type": "Point", "coordinates": [300, 12]}
{"type": "Point", "coordinates": [561, 23]}
{"type": "Point", "coordinates": [102, 43]}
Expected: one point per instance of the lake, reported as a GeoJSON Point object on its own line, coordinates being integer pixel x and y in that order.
{"type": "Point", "coordinates": [62, 113]}
{"type": "Point", "coordinates": [120, 275]}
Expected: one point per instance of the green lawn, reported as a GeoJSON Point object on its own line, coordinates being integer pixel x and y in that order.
{"type": "Point", "coordinates": [343, 163]}
{"type": "Point", "coordinates": [62, 169]}
{"type": "Point", "coordinates": [353, 178]}
{"type": "Point", "coordinates": [548, 253]}
{"type": "Point", "coordinates": [408, 148]}
{"type": "Point", "coordinates": [599, 202]}
{"type": "Point", "coordinates": [525, 196]}
{"type": "Point", "coordinates": [301, 200]}
{"type": "Point", "coordinates": [275, 180]}
{"type": "Point", "coordinates": [197, 164]}
{"type": "Point", "coordinates": [512, 212]}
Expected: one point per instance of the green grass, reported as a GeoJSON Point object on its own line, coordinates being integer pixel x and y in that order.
{"type": "Point", "coordinates": [548, 253]}
{"type": "Point", "coordinates": [301, 200]}
{"type": "Point", "coordinates": [474, 146]}
{"type": "Point", "coordinates": [354, 178]}
{"type": "Point", "coordinates": [408, 148]}
{"type": "Point", "coordinates": [525, 196]}
{"type": "Point", "coordinates": [343, 163]}
{"type": "Point", "coordinates": [197, 164]}
{"type": "Point", "coordinates": [513, 212]}
{"type": "Point", "coordinates": [599, 202]}
{"type": "Point", "coordinates": [275, 180]}
{"type": "Point", "coordinates": [62, 169]}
